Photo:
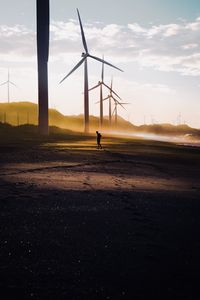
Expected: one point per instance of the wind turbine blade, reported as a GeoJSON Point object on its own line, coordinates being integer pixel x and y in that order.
{"type": "Point", "coordinates": [115, 99]}
{"type": "Point", "coordinates": [103, 99]}
{"type": "Point", "coordinates": [117, 102]}
{"type": "Point", "coordinates": [121, 105]}
{"type": "Point", "coordinates": [4, 83]}
{"type": "Point", "coordinates": [82, 33]}
{"type": "Point", "coordinates": [12, 83]}
{"type": "Point", "coordinates": [76, 67]}
{"type": "Point", "coordinates": [106, 98]}
{"type": "Point", "coordinates": [94, 87]}
{"type": "Point", "coordinates": [105, 62]}
{"type": "Point", "coordinates": [111, 90]}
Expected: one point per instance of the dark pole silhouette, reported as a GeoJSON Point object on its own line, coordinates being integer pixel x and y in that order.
{"type": "Point", "coordinates": [43, 55]}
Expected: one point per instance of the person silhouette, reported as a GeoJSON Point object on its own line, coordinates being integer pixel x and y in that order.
{"type": "Point", "coordinates": [98, 140]}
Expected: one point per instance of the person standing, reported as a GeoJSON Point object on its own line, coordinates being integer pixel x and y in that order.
{"type": "Point", "coordinates": [99, 140]}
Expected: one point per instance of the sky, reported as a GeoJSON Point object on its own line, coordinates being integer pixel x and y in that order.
{"type": "Point", "coordinates": [155, 42]}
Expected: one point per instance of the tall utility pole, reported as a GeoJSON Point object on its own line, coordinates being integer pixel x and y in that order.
{"type": "Point", "coordinates": [43, 55]}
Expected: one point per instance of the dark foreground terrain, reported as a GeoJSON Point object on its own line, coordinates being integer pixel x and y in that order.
{"type": "Point", "coordinates": [81, 223]}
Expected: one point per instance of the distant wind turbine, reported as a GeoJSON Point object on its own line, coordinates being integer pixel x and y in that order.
{"type": "Point", "coordinates": [110, 97]}
{"type": "Point", "coordinates": [8, 82]}
{"type": "Point", "coordinates": [116, 103]}
{"type": "Point", "coordinates": [101, 84]}
{"type": "Point", "coordinates": [85, 55]}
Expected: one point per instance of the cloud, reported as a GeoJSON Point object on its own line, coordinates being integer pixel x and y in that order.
{"type": "Point", "coordinates": [162, 30]}
{"type": "Point", "coordinates": [146, 88]}
{"type": "Point", "coordinates": [16, 43]}
{"type": "Point", "coordinates": [169, 47]}
{"type": "Point", "coordinates": [189, 46]}
{"type": "Point", "coordinates": [136, 28]}
{"type": "Point", "coordinates": [194, 26]}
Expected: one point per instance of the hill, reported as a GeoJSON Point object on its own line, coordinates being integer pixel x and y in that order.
{"type": "Point", "coordinates": [19, 113]}
{"type": "Point", "coordinates": [168, 129]}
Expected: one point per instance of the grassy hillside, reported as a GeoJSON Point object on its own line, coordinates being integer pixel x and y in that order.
{"type": "Point", "coordinates": [19, 113]}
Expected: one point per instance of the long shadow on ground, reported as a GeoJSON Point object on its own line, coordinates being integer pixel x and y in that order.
{"type": "Point", "coordinates": [98, 244]}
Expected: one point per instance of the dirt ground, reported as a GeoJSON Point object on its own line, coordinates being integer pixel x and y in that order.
{"type": "Point", "coordinates": [117, 223]}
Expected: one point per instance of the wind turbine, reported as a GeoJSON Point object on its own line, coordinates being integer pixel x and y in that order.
{"type": "Point", "coordinates": [110, 97]}
{"type": "Point", "coordinates": [101, 84]}
{"type": "Point", "coordinates": [116, 103]}
{"type": "Point", "coordinates": [43, 55]}
{"type": "Point", "coordinates": [85, 55]}
{"type": "Point", "coordinates": [8, 82]}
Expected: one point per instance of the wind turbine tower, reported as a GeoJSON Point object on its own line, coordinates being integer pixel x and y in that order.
{"type": "Point", "coordinates": [43, 55]}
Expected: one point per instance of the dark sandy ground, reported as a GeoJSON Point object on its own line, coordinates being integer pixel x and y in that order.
{"type": "Point", "coordinates": [82, 223]}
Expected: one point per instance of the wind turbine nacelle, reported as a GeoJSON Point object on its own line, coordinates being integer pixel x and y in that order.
{"type": "Point", "coordinates": [83, 54]}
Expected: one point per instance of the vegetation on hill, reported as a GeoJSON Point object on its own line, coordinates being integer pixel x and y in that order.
{"type": "Point", "coordinates": [21, 113]}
